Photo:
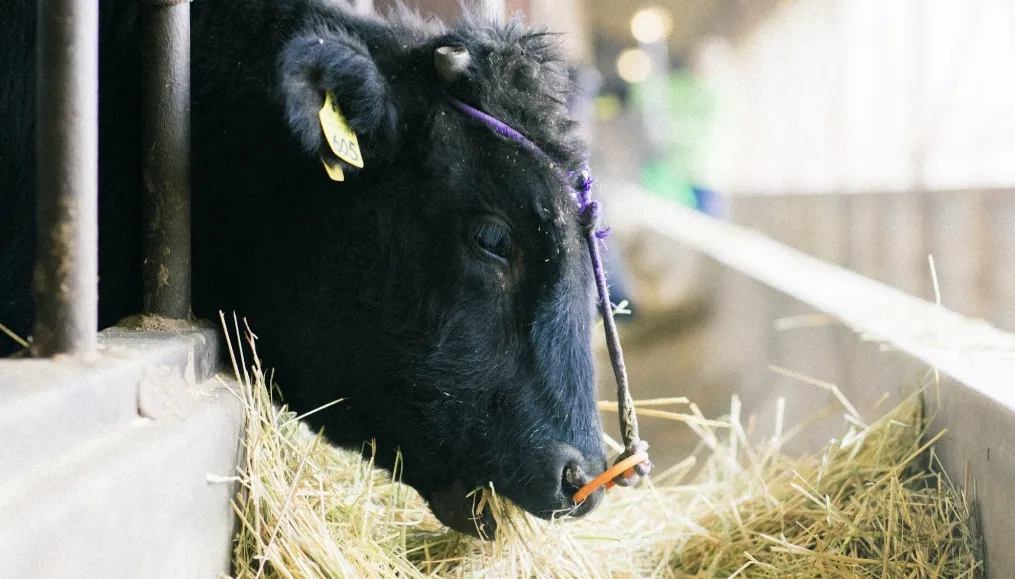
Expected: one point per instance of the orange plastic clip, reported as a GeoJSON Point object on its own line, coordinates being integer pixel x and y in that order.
{"type": "Point", "coordinates": [625, 466]}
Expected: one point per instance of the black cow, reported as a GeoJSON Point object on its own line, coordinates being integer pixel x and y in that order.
{"type": "Point", "coordinates": [443, 290]}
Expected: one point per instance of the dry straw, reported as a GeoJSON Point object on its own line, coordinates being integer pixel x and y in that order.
{"type": "Point", "coordinates": [871, 505]}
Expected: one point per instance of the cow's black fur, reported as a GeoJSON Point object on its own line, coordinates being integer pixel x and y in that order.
{"type": "Point", "coordinates": [476, 365]}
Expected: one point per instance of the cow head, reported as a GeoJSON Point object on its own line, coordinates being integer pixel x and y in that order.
{"type": "Point", "coordinates": [457, 262]}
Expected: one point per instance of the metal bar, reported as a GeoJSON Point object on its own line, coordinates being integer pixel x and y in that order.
{"type": "Point", "coordinates": [67, 158]}
{"type": "Point", "coordinates": [166, 164]}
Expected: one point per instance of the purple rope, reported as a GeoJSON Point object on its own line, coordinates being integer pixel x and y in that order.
{"type": "Point", "coordinates": [589, 211]}
{"type": "Point", "coordinates": [498, 126]}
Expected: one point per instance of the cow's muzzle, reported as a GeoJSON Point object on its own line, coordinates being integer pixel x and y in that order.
{"type": "Point", "coordinates": [551, 481]}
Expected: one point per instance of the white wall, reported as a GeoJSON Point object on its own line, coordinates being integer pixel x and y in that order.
{"type": "Point", "coordinates": [862, 95]}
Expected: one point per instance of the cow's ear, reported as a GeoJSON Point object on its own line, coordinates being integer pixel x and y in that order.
{"type": "Point", "coordinates": [337, 69]}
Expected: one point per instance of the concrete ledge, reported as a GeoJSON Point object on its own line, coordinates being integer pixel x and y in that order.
{"type": "Point", "coordinates": [49, 407]}
{"type": "Point", "coordinates": [133, 503]}
{"type": "Point", "coordinates": [104, 463]}
{"type": "Point", "coordinates": [971, 351]}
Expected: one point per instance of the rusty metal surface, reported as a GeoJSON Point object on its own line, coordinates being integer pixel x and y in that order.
{"type": "Point", "coordinates": [66, 271]}
{"type": "Point", "coordinates": [166, 162]}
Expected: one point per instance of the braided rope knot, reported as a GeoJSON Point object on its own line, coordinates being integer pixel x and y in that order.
{"type": "Point", "coordinates": [589, 210]}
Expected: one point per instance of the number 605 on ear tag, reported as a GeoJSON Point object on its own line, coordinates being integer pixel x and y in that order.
{"type": "Point", "coordinates": [339, 134]}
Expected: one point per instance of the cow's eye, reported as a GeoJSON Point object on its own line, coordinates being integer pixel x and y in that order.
{"type": "Point", "coordinates": [492, 238]}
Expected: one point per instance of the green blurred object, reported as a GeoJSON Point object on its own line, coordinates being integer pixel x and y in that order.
{"type": "Point", "coordinates": [675, 173]}
{"type": "Point", "coordinates": [664, 178]}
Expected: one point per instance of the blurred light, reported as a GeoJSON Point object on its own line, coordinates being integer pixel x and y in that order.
{"type": "Point", "coordinates": [607, 107]}
{"type": "Point", "coordinates": [651, 25]}
{"type": "Point", "coordinates": [634, 65]}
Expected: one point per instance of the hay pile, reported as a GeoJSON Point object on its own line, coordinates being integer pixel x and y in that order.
{"type": "Point", "coordinates": [872, 505]}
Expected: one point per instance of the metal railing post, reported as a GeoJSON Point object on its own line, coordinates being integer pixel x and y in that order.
{"type": "Point", "coordinates": [166, 162]}
{"type": "Point", "coordinates": [67, 158]}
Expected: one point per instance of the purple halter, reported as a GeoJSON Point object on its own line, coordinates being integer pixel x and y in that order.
{"type": "Point", "coordinates": [589, 211]}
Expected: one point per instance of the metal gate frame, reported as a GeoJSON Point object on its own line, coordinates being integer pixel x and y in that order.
{"type": "Point", "coordinates": [109, 441]}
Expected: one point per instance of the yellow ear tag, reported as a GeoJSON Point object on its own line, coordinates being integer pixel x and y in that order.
{"type": "Point", "coordinates": [340, 135]}
{"type": "Point", "coordinates": [334, 169]}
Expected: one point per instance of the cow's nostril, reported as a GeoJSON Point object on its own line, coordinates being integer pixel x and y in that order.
{"type": "Point", "coordinates": [573, 478]}
{"type": "Point", "coordinates": [558, 473]}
